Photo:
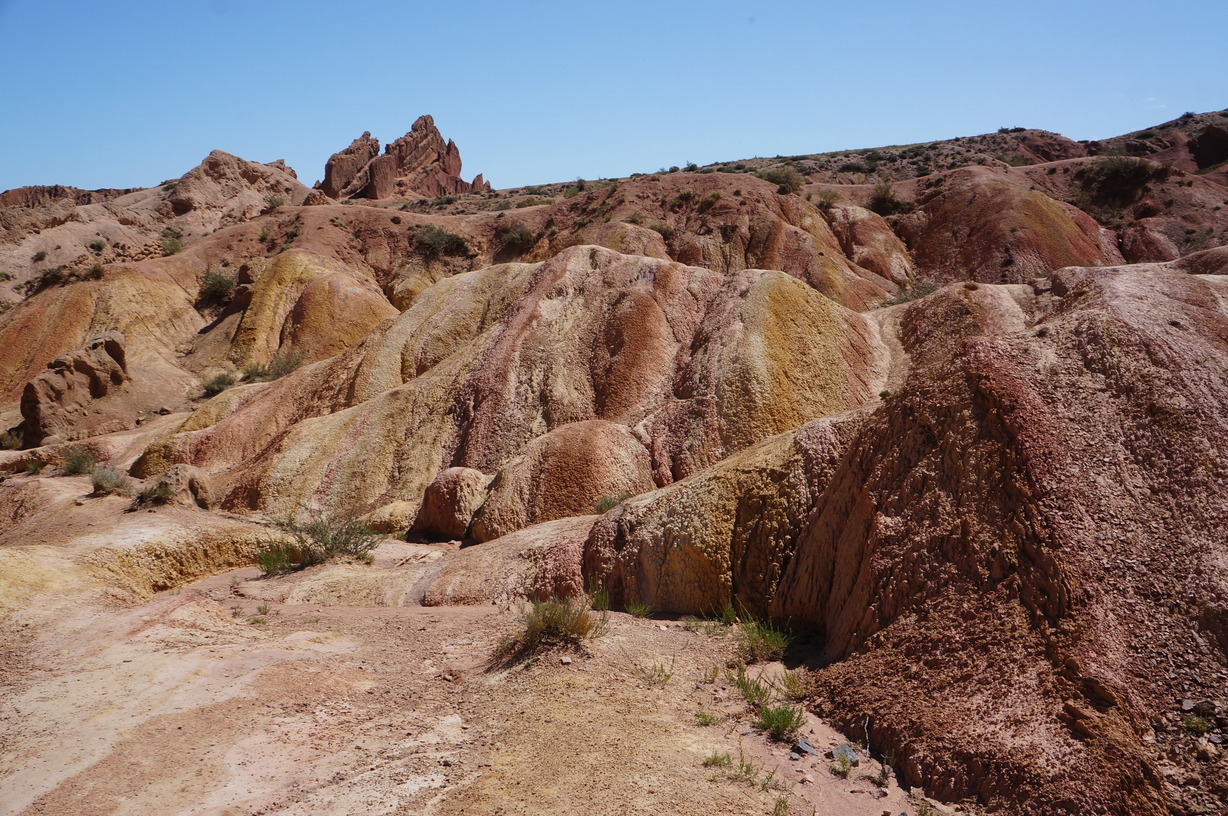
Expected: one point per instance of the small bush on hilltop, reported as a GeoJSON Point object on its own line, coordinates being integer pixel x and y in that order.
{"type": "Point", "coordinates": [218, 383]}
{"type": "Point", "coordinates": [282, 364]}
{"type": "Point", "coordinates": [787, 179]}
{"type": "Point", "coordinates": [516, 238]}
{"type": "Point", "coordinates": [550, 624]}
{"type": "Point", "coordinates": [434, 242]}
{"type": "Point", "coordinates": [884, 202]}
{"type": "Point", "coordinates": [1117, 179]}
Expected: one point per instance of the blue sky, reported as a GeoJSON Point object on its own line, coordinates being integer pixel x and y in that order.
{"type": "Point", "coordinates": [127, 94]}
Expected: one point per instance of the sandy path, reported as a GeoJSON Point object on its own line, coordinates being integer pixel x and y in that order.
{"type": "Point", "coordinates": [196, 703]}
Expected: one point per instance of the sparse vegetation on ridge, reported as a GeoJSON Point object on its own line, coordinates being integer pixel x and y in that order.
{"type": "Point", "coordinates": [549, 624]}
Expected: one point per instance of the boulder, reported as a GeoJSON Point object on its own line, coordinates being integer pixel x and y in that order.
{"type": "Point", "coordinates": [185, 485]}
{"type": "Point", "coordinates": [449, 502]}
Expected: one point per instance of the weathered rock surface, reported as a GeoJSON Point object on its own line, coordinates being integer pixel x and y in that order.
{"type": "Point", "coordinates": [68, 399]}
{"type": "Point", "coordinates": [449, 502]}
{"type": "Point", "coordinates": [186, 485]}
{"type": "Point", "coordinates": [566, 472]}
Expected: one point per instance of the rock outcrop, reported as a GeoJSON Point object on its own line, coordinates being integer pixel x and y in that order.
{"type": "Point", "coordinates": [449, 502]}
{"type": "Point", "coordinates": [419, 163]}
{"type": "Point", "coordinates": [64, 399]}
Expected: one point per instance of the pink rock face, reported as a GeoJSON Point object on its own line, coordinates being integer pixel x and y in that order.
{"type": "Point", "coordinates": [61, 399]}
{"type": "Point", "coordinates": [418, 163]}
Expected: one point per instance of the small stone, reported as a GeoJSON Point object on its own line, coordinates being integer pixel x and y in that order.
{"type": "Point", "coordinates": [804, 746]}
{"type": "Point", "coordinates": [879, 794]}
{"type": "Point", "coordinates": [1187, 705]}
{"type": "Point", "coordinates": [795, 756]}
{"type": "Point", "coordinates": [566, 661]}
{"type": "Point", "coordinates": [446, 762]}
{"type": "Point", "coordinates": [807, 779]}
{"type": "Point", "coordinates": [846, 752]}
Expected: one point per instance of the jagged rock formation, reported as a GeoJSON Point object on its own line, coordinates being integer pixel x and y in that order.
{"type": "Point", "coordinates": [419, 163]}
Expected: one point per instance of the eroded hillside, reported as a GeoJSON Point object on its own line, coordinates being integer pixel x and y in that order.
{"type": "Point", "coordinates": [953, 413]}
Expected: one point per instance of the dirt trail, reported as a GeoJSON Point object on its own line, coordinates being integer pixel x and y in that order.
{"type": "Point", "coordinates": [220, 700]}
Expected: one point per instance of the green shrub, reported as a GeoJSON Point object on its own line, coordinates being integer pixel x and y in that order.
{"type": "Point", "coordinates": [276, 558]}
{"type": "Point", "coordinates": [760, 640]}
{"type": "Point", "coordinates": [327, 536]}
{"type": "Point", "coordinates": [781, 722]}
{"type": "Point", "coordinates": [282, 364]}
{"type": "Point", "coordinates": [639, 609]}
{"type": "Point", "coordinates": [918, 289]}
{"type": "Point", "coordinates": [218, 383]}
{"type": "Point", "coordinates": [39, 256]}
{"type": "Point", "coordinates": [170, 241]}
{"type": "Point", "coordinates": [1118, 179]}
{"type": "Point", "coordinates": [787, 179]}
{"type": "Point", "coordinates": [884, 202]}
{"type": "Point", "coordinates": [77, 460]}
{"type": "Point", "coordinates": [607, 503]}
{"type": "Point", "coordinates": [156, 494]}
{"type": "Point", "coordinates": [553, 623]}
{"type": "Point", "coordinates": [34, 467]}
{"type": "Point", "coordinates": [1196, 724]}
{"type": "Point", "coordinates": [10, 441]}
{"type": "Point", "coordinates": [685, 196]}
{"type": "Point", "coordinates": [271, 202]}
{"type": "Point", "coordinates": [754, 689]}
{"type": "Point", "coordinates": [665, 230]}
{"type": "Point", "coordinates": [516, 238]}
{"type": "Point", "coordinates": [827, 199]}
{"type": "Point", "coordinates": [215, 289]}
{"type": "Point", "coordinates": [97, 246]}
{"type": "Point", "coordinates": [434, 242]}
{"type": "Point", "coordinates": [109, 481]}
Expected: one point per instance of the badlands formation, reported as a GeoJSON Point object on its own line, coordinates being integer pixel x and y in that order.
{"type": "Point", "coordinates": [953, 414]}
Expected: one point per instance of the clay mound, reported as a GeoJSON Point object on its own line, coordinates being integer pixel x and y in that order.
{"type": "Point", "coordinates": [979, 226]}
{"type": "Point", "coordinates": [481, 365]}
{"type": "Point", "coordinates": [418, 164]}
{"type": "Point", "coordinates": [569, 471]}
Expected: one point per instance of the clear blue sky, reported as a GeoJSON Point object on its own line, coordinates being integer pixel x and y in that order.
{"type": "Point", "coordinates": [109, 93]}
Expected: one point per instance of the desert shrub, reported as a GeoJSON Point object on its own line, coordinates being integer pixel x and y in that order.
{"type": "Point", "coordinates": [665, 230]}
{"type": "Point", "coordinates": [271, 202]}
{"type": "Point", "coordinates": [434, 242]}
{"type": "Point", "coordinates": [639, 609]}
{"type": "Point", "coordinates": [760, 640]}
{"type": "Point", "coordinates": [754, 689]}
{"type": "Point", "coordinates": [636, 218]}
{"type": "Point", "coordinates": [918, 289]}
{"type": "Point", "coordinates": [10, 441]}
{"type": "Point", "coordinates": [607, 503]}
{"type": "Point", "coordinates": [156, 494]}
{"type": "Point", "coordinates": [516, 238]}
{"type": "Point", "coordinates": [34, 467]}
{"type": "Point", "coordinates": [45, 280]}
{"type": "Point", "coordinates": [77, 460]}
{"type": "Point", "coordinates": [553, 623]}
{"type": "Point", "coordinates": [1118, 179]}
{"type": "Point", "coordinates": [283, 363]}
{"type": "Point", "coordinates": [884, 202]}
{"type": "Point", "coordinates": [109, 481]}
{"type": "Point", "coordinates": [827, 199]}
{"type": "Point", "coordinates": [853, 167]}
{"type": "Point", "coordinates": [215, 289]}
{"type": "Point", "coordinates": [327, 536]}
{"type": "Point", "coordinates": [1195, 724]}
{"type": "Point", "coordinates": [786, 179]}
{"type": "Point", "coordinates": [39, 256]}
{"type": "Point", "coordinates": [97, 246]}
{"type": "Point", "coordinates": [218, 383]}
{"type": "Point", "coordinates": [685, 196]}
{"type": "Point", "coordinates": [794, 685]}
{"type": "Point", "coordinates": [781, 722]}
{"type": "Point", "coordinates": [170, 241]}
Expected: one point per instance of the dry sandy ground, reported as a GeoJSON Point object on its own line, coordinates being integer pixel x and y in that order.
{"type": "Point", "coordinates": [336, 700]}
